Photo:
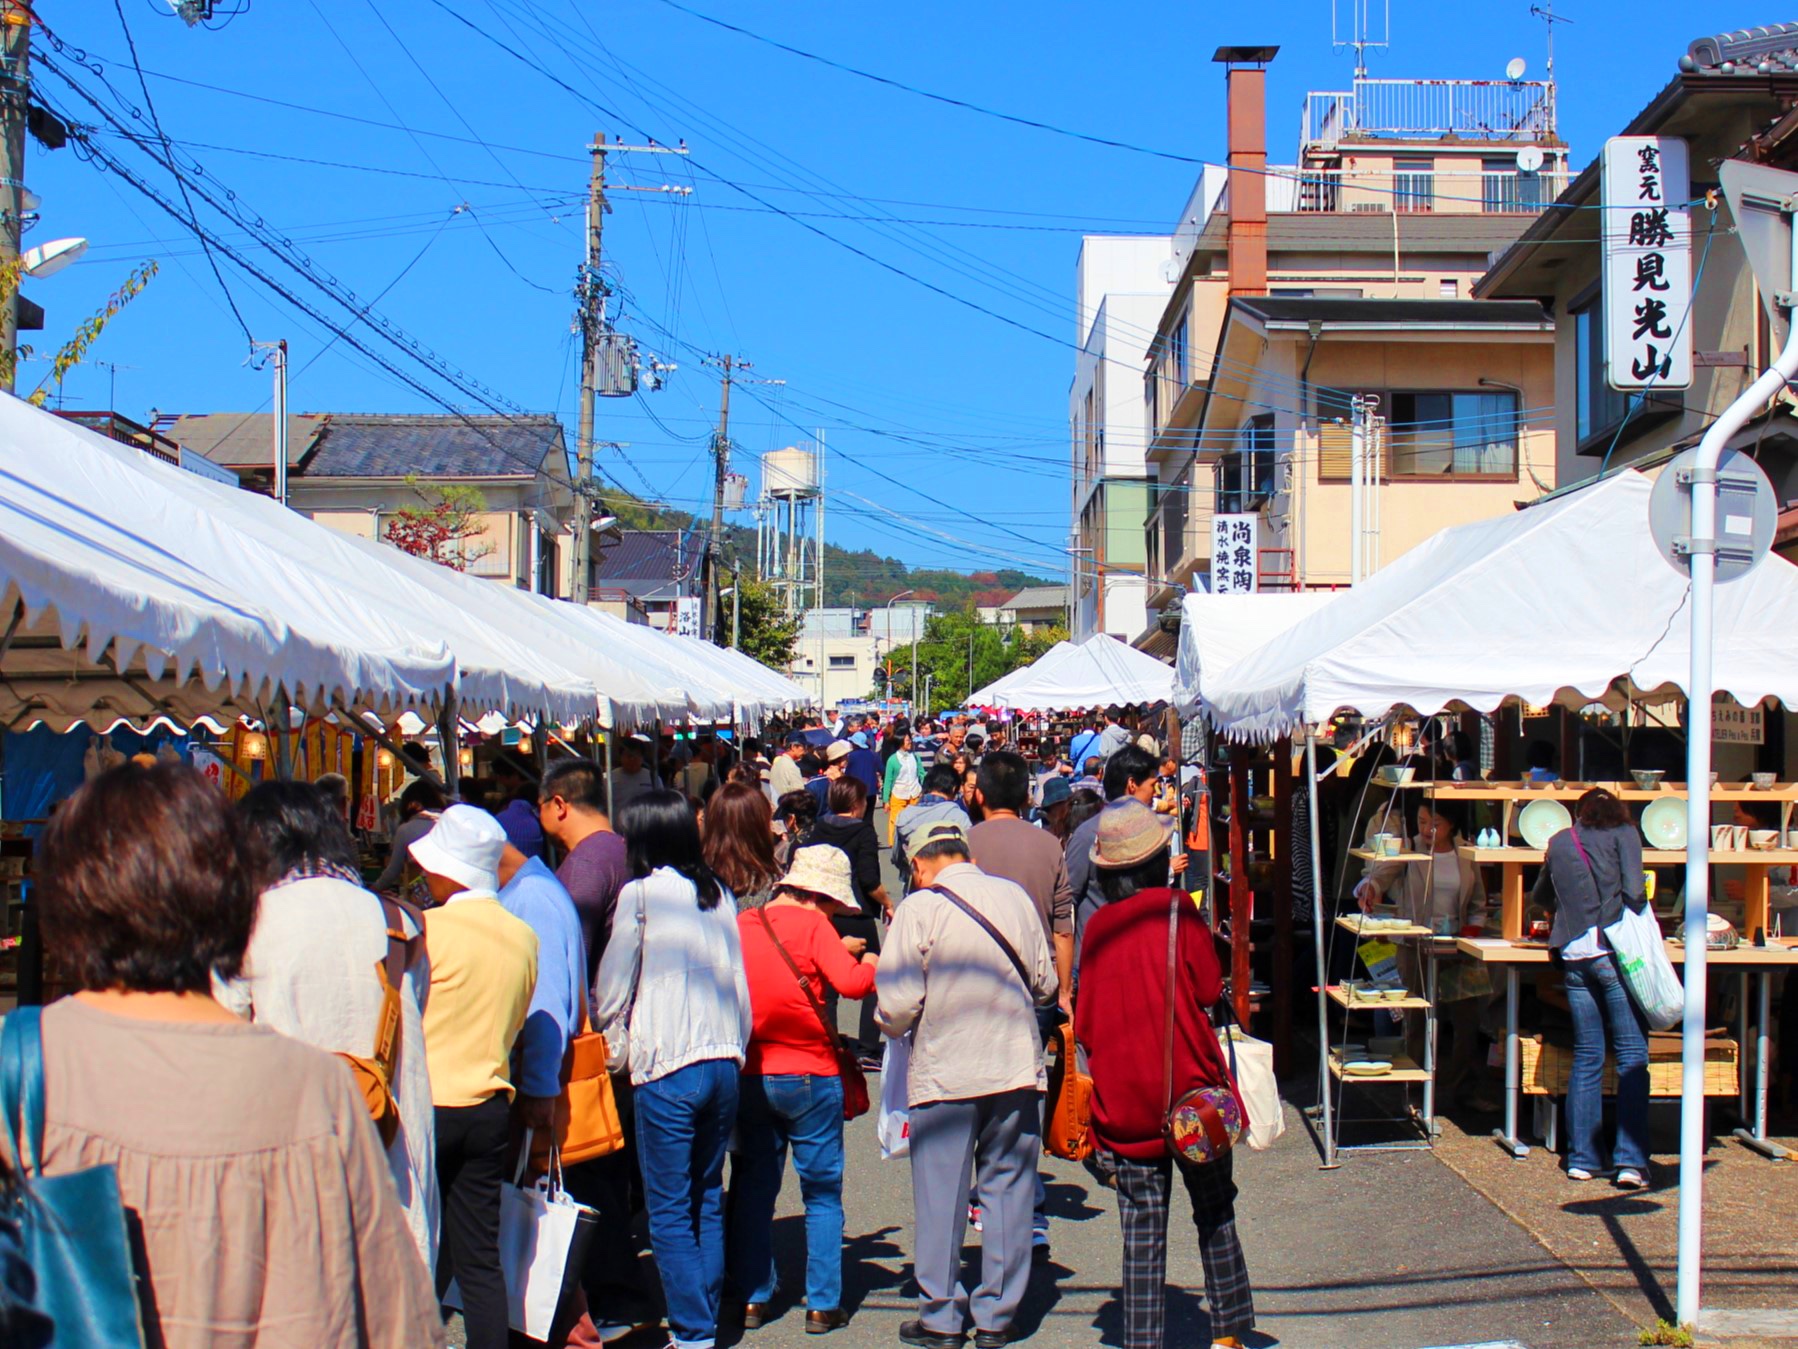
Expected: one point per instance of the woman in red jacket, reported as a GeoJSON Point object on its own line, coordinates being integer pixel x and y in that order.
{"type": "Point", "coordinates": [792, 1091]}
{"type": "Point", "coordinates": [1123, 989]}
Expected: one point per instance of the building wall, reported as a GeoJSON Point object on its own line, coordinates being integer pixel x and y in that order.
{"type": "Point", "coordinates": [363, 511]}
{"type": "Point", "coordinates": [847, 663]}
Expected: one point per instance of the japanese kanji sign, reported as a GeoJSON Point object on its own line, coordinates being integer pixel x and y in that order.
{"type": "Point", "coordinates": [1235, 561]}
{"type": "Point", "coordinates": [1647, 263]}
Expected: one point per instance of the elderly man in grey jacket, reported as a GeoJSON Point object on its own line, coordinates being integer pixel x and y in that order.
{"type": "Point", "coordinates": [964, 968]}
{"type": "Point", "coordinates": [940, 803]}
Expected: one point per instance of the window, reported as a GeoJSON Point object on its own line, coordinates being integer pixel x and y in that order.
{"type": "Point", "coordinates": [842, 662]}
{"type": "Point", "coordinates": [1245, 476]}
{"type": "Point", "coordinates": [1126, 511]}
{"type": "Point", "coordinates": [1176, 354]}
{"type": "Point", "coordinates": [1599, 408]}
{"type": "Point", "coordinates": [1448, 288]}
{"type": "Point", "coordinates": [1454, 434]}
{"type": "Point", "coordinates": [1413, 184]}
{"type": "Point", "coordinates": [1505, 187]}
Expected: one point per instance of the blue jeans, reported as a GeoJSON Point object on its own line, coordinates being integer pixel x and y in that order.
{"type": "Point", "coordinates": [778, 1111]}
{"type": "Point", "coordinates": [1600, 1004]}
{"type": "Point", "coordinates": [683, 1122]}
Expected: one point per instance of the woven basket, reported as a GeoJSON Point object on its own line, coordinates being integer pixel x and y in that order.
{"type": "Point", "coordinates": [1548, 1067]}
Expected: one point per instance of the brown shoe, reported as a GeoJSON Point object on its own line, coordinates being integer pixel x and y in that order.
{"type": "Point", "coordinates": [755, 1315]}
{"type": "Point", "coordinates": [822, 1323]}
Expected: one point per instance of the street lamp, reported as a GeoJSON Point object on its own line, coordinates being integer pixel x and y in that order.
{"type": "Point", "coordinates": [912, 692]}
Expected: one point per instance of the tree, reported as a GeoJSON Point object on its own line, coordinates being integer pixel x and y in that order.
{"type": "Point", "coordinates": [69, 355]}
{"type": "Point", "coordinates": [440, 529]}
{"type": "Point", "coordinates": [765, 630]}
{"type": "Point", "coordinates": [943, 655]}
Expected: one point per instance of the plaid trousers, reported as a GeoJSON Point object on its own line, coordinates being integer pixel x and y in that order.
{"type": "Point", "coordinates": [1144, 1190]}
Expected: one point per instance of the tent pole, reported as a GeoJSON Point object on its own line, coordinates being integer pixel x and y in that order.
{"type": "Point", "coordinates": [611, 734]}
{"type": "Point", "coordinates": [1317, 942]}
{"type": "Point", "coordinates": [449, 740]}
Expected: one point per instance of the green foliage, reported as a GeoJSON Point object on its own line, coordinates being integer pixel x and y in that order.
{"type": "Point", "coordinates": [87, 332]}
{"type": "Point", "coordinates": [764, 630]}
{"type": "Point", "coordinates": [1665, 1332]}
{"type": "Point", "coordinates": [442, 527]}
{"type": "Point", "coordinates": [943, 655]}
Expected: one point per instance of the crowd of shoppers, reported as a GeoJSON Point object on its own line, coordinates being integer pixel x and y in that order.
{"type": "Point", "coordinates": [233, 1006]}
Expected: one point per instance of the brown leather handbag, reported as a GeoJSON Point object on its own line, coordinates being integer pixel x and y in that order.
{"type": "Point", "coordinates": [1068, 1131]}
{"type": "Point", "coordinates": [856, 1101]}
{"type": "Point", "coordinates": [374, 1074]}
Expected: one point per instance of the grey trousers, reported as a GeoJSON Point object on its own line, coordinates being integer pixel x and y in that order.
{"type": "Point", "coordinates": [995, 1141]}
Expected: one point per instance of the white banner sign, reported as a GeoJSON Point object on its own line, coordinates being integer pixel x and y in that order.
{"type": "Point", "coordinates": [686, 616]}
{"type": "Point", "coordinates": [1235, 559]}
{"type": "Point", "coordinates": [1647, 263]}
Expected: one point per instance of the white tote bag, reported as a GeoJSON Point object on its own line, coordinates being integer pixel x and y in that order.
{"type": "Point", "coordinates": [543, 1240]}
{"type": "Point", "coordinates": [1253, 1062]}
{"type": "Point", "coordinates": [894, 1125]}
{"type": "Point", "coordinates": [1647, 973]}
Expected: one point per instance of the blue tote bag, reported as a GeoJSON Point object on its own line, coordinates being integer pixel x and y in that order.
{"type": "Point", "coordinates": [73, 1225]}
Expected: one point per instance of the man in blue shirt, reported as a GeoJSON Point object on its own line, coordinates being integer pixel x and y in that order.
{"type": "Point", "coordinates": [863, 764]}
{"type": "Point", "coordinates": [836, 757]}
{"type": "Point", "coordinates": [1084, 744]}
{"type": "Point", "coordinates": [530, 892]}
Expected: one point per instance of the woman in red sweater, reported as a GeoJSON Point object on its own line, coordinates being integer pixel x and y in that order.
{"type": "Point", "coordinates": [792, 1094]}
{"type": "Point", "coordinates": [1118, 1019]}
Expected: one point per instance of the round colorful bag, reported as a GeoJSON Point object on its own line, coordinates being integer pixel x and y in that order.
{"type": "Point", "coordinates": [1204, 1124]}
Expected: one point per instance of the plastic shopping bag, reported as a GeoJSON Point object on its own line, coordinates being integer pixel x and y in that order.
{"type": "Point", "coordinates": [1253, 1063]}
{"type": "Point", "coordinates": [543, 1240]}
{"type": "Point", "coordinates": [1647, 973]}
{"type": "Point", "coordinates": [894, 1125]}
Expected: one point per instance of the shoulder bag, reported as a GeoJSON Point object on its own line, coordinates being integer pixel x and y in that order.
{"type": "Point", "coordinates": [1068, 1129]}
{"type": "Point", "coordinates": [587, 1123]}
{"type": "Point", "coordinates": [374, 1074]}
{"type": "Point", "coordinates": [1011, 953]}
{"type": "Point", "coordinates": [1205, 1122]}
{"type": "Point", "coordinates": [1635, 939]}
{"type": "Point", "coordinates": [74, 1224]}
{"type": "Point", "coordinates": [855, 1081]}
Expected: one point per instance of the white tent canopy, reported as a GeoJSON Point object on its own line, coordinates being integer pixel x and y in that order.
{"type": "Point", "coordinates": [1099, 672]}
{"type": "Point", "coordinates": [177, 607]}
{"type": "Point", "coordinates": [985, 697]}
{"type": "Point", "coordinates": [1560, 602]}
{"type": "Point", "coordinates": [1216, 631]}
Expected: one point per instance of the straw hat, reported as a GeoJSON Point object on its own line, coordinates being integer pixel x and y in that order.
{"type": "Point", "coordinates": [822, 871]}
{"type": "Point", "coordinates": [839, 749]}
{"type": "Point", "coordinates": [1129, 832]}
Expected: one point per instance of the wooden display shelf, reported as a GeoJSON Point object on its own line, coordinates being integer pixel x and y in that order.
{"type": "Point", "coordinates": [1342, 998]}
{"type": "Point", "coordinates": [1500, 952]}
{"type": "Point", "coordinates": [1732, 857]}
{"type": "Point", "coordinates": [1369, 855]}
{"type": "Point", "coordinates": [1784, 792]}
{"type": "Point", "coordinates": [1352, 923]}
{"type": "Point", "coordinates": [1403, 1070]}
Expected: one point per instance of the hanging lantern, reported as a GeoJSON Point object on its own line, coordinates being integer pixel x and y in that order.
{"type": "Point", "coordinates": [1401, 736]}
{"type": "Point", "coordinates": [465, 760]}
{"type": "Point", "coordinates": [255, 745]}
{"type": "Point", "coordinates": [385, 758]}
{"type": "Point", "coordinates": [524, 744]}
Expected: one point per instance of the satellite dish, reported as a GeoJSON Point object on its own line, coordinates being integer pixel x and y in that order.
{"type": "Point", "coordinates": [49, 259]}
{"type": "Point", "coordinates": [29, 200]}
{"type": "Point", "coordinates": [1530, 158]}
{"type": "Point", "coordinates": [1170, 270]}
{"type": "Point", "coordinates": [1515, 68]}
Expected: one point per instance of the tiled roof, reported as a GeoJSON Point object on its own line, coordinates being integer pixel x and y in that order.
{"type": "Point", "coordinates": [354, 446]}
{"type": "Point", "coordinates": [243, 440]}
{"type": "Point", "coordinates": [1038, 597]}
{"type": "Point", "coordinates": [1750, 51]}
{"type": "Point", "coordinates": [650, 555]}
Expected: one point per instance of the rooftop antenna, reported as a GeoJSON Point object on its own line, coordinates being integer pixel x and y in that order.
{"type": "Point", "coordinates": [1546, 13]}
{"type": "Point", "coordinates": [1351, 25]}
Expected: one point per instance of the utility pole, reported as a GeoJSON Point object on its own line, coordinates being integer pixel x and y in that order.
{"type": "Point", "coordinates": [278, 450]}
{"type": "Point", "coordinates": [727, 364]}
{"type": "Point", "coordinates": [15, 97]}
{"type": "Point", "coordinates": [592, 292]}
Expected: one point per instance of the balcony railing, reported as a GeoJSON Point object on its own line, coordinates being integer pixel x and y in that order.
{"type": "Point", "coordinates": [1481, 110]}
{"type": "Point", "coordinates": [1409, 189]}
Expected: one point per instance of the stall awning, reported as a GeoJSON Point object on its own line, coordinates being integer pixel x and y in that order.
{"type": "Point", "coordinates": [1216, 631]}
{"type": "Point", "coordinates": [127, 593]}
{"type": "Point", "coordinates": [984, 697]}
{"type": "Point", "coordinates": [1568, 601]}
{"type": "Point", "coordinates": [1099, 672]}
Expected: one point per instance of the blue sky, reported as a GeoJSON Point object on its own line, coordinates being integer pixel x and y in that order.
{"type": "Point", "coordinates": [946, 426]}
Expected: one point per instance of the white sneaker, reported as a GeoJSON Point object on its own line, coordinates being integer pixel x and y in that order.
{"type": "Point", "coordinates": [1630, 1179]}
{"type": "Point", "coordinates": [974, 1216]}
{"type": "Point", "coordinates": [1578, 1173]}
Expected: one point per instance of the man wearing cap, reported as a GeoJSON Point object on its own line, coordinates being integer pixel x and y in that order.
{"type": "Point", "coordinates": [965, 966]}
{"type": "Point", "coordinates": [940, 804]}
{"type": "Point", "coordinates": [483, 972]}
{"type": "Point", "coordinates": [1131, 774]}
{"type": "Point", "coordinates": [784, 776]}
{"type": "Point", "coordinates": [631, 776]}
{"type": "Point", "coordinates": [836, 758]}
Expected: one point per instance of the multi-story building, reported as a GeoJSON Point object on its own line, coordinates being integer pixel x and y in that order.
{"type": "Point", "coordinates": [1296, 288]}
{"type": "Point", "coordinates": [1730, 97]}
{"type": "Point", "coordinates": [839, 650]}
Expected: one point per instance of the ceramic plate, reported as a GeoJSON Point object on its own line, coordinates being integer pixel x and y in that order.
{"type": "Point", "coordinates": [1366, 1068]}
{"type": "Point", "coordinates": [1540, 821]}
{"type": "Point", "coordinates": [1664, 824]}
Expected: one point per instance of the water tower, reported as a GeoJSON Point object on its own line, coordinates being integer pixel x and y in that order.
{"type": "Point", "coordinates": [790, 525]}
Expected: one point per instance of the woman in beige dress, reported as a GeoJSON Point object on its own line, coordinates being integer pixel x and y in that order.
{"type": "Point", "coordinates": [252, 1173]}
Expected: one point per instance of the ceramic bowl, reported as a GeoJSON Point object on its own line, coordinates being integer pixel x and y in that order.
{"type": "Point", "coordinates": [1763, 838]}
{"type": "Point", "coordinates": [1647, 778]}
{"type": "Point", "coordinates": [1395, 775]}
{"type": "Point", "coordinates": [1540, 821]}
{"type": "Point", "coordinates": [1763, 781]}
{"type": "Point", "coordinates": [1664, 824]}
